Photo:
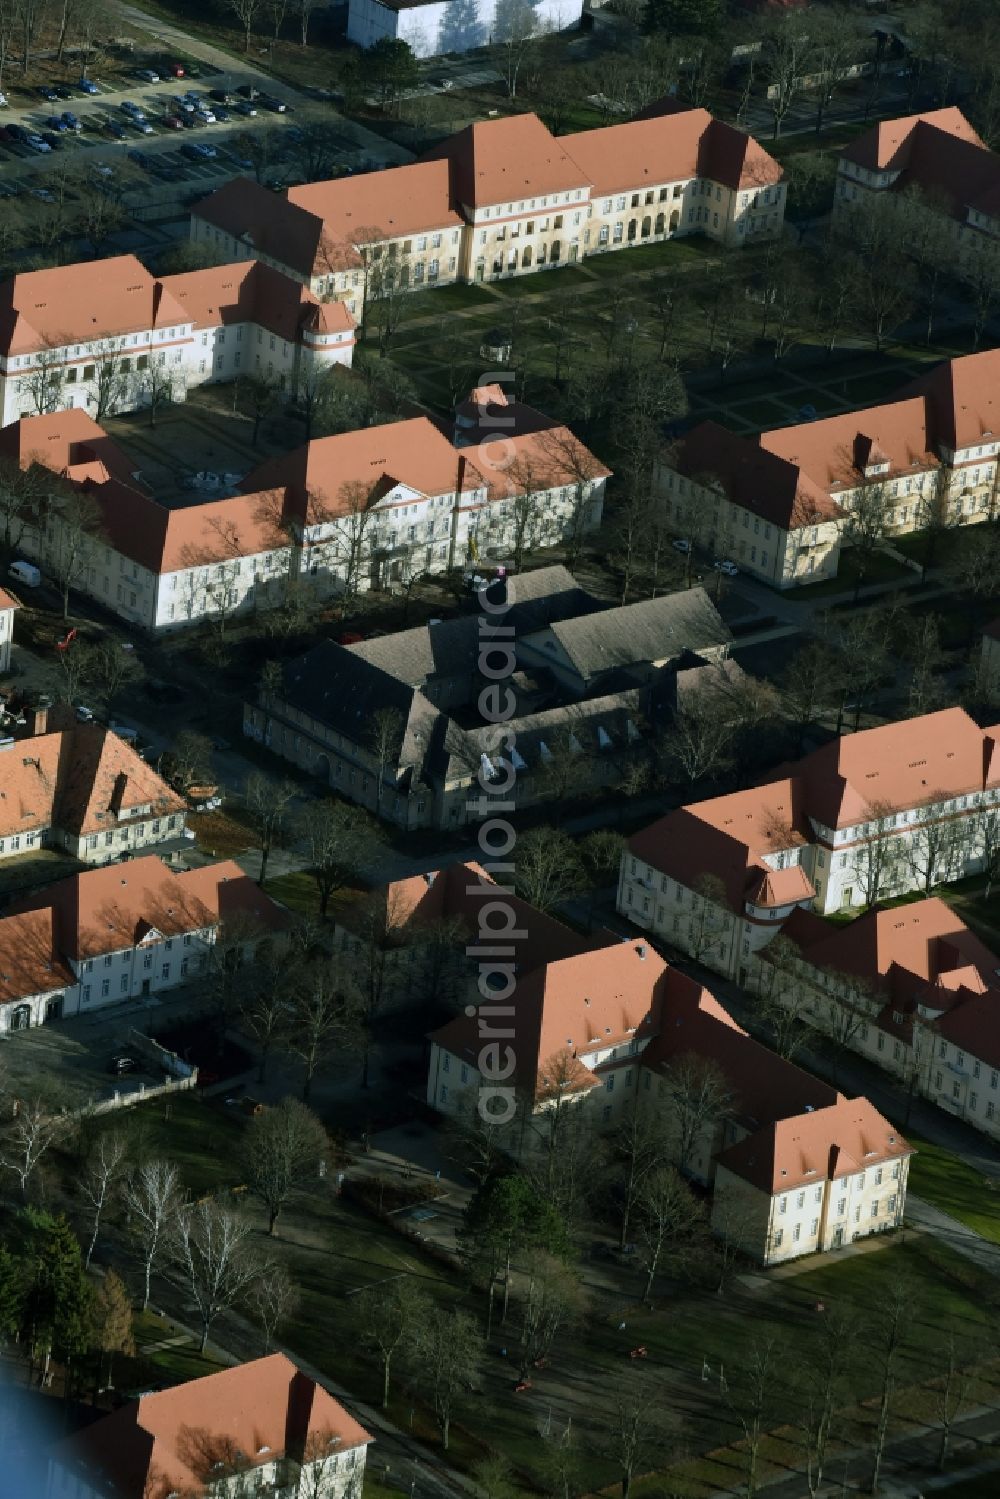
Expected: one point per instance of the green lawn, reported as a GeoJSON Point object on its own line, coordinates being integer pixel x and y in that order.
{"type": "Point", "coordinates": [201, 1137]}
{"type": "Point", "coordinates": [297, 891]}
{"type": "Point", "coordinates": [952, 1185]}
{"type": "Point", "coordinates": [878, 569]}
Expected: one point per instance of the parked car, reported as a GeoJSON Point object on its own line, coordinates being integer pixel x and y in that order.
{"type": "Point", "coordinates": [25, 573]}
{"type": "Point", "coordinates": [83, 713]}
{"type": "Point", "coordinates": [219, 95]}
{"type": "Point", "coordinates": [121, 1063]}
{"type": "Point", "coordinates": [101, 169]}
{"type": "Point", "coordinates": [222, 114]}
{"type": "Point", "coordinates": [176, 69]}
{"type": "Point", "coordinates": [196, 151]}
{"type": "Point", "coordinates": [54, 143]}
{"type": "Point", "coordinates": [62, 91]}
{"type": "Point", "coordinates": [140, 123]}
{"type": "Point", "coordinates": [680, 545]}
{"type": "Point", "coordinates": [128, 108]}
{"type": "Point", "coordinates": [247, 91]}
{"type": "Point", "coordinates": [148, 75]}
{"type": "Point", "coordinates": [113, 128]}
{"type": "Point", "coordinates": [57, 123]}
{"type": "Point", "coordinates": [207, 116]}
{"type": "Point", "coordinates": [244, 107]}
{"type": "Point", "coordinates": [3, 99]}
{"type": "Point", "coordinates": [34, 140]}
{"type": "Point", "coordinates": [173, 122]}
{"type": "Point", "coordinates": [141, 159]}
{"type": "Point", "coordinates": [87, 86]}
{"type": "Point", "coordinates": [184, 103]}
{"type": "Point", "coordinates": [48, 92]}
{"type": "Point", "coordinates": [277, 106]}
{"type": "Point", "coordinates": [723, 565]}
{"type": "Point", "coordinates": [70, 120]}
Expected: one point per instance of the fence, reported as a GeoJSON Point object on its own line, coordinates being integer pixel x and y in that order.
{"type": "Point", "coordinates": [142, 1093]}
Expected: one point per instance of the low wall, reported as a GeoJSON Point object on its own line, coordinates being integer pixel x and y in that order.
{"type": "Point", "coordinates": [141, 1094]}
{"type": "Point", "coordinates": [162, 1059]}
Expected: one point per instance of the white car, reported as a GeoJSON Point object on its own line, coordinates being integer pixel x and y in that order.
{"type": "Point", "coordinates": [3, 99]}
{"type": "Point", "coordinates": [36, 143]}
{"type": "Point", "coordinates": [84, 714]}
{"type": "Point", "coordinates": [725, 566]}
{"type": "Point", "coordinates": [202, 112]}
{"type": "Point", "coordinates": [680, 545]}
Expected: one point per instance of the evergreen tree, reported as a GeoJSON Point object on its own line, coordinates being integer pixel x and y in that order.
{"type": "Point", "coordinates": [55, 1310]}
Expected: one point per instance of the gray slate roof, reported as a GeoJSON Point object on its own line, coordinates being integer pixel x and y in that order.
{"type": "Point", "coordinates": [653, 630]}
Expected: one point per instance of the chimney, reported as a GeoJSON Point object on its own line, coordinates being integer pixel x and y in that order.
{"type": "Point", "coordinates": [641, 950]}
{"type": "Point", "coordinates": [118, 794]}
{"type": "Point", "coordinates": [38, 717]}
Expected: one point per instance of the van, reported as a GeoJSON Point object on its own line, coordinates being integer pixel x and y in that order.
{"type": "Point", "coordinates": [25, 573]}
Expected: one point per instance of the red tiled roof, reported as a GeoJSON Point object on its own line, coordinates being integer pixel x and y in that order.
{"type": "Point", "coordinates": [453, 893]}
{"type": "Point", "coordinates": [105, 910]}
{"type": "Point", "coordinates": [963, 397]}
{"type": "Point", "coordinates": [835, 450]}
{"type": "Point", "coordinates": [666, 143]}
{"type": "Point", "coordinates": [81, 302]}
{"type": "Point", "coordinates": [68, 780]}
{"type": "Point", "coordinates": [898, 765]}
{"type": "Point", "coordinates": [337, 473]}
{"type": "Point", "coordinates": [762, 1086]}
{"type": "Point", "coordinates": [250, 291]}
{"type": "Point", "coordinates": [754, 477]}
{"type": "Point", "coordinates": [889, 144]}
{"type": "Point", "coordinates": [846, 1136]}
{"type": "Point", "coordinates": [167, 1442]}
{"type": "Point", "coordinates": [494, 161]}
{"type": "Point", "coordinates": [571, 1005]}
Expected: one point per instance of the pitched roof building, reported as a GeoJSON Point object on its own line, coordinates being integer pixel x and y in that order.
{"type": "Point", "coordinates": [454, 215]}
{"type": "Point", "coordinates": [936, 153]}
{"type": "Point", "coordinates": [871, 814]}
{"type": "Point", "coordinates": [580, 698]}
{"type": "Point", "coordinates": [265, 1420]}
{"type": "Point", "coordinates": [779, 502]}
{"type": "Point", "coordinates": [83, 790]}
{"type": "Point", "coordinates": [106, 335]}
{"type": "Point", "coordinates": [911, 988]}
{"type": "Point", "coordinates": [358, 510]}
{"type": "Point", "coordinates": [107, 936]}
{"type": "Point", "coordinates": [596, 1029]}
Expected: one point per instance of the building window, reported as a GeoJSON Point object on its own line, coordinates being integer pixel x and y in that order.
{"type": "Point", "coordinates": [779, 1234]}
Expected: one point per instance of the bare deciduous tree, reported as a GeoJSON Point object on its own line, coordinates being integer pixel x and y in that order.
{"type": "Point", "coordinates": [210, 1245]}
{"type": "Point", "coordinates": [273, 1298]}
{"type": "Point", "coordinates": [102, 1175]}
{"type": "Point", "coordinates": [284, 1149]}
{"type": "Point", "coordinates": [153, 1202]}
{"type": "Point", "coordinates": [24, 1140]}
{"type": "Point", "coordinates": [393, 1316]}
{"type": "Point", "coordinates": [671, 1221]}
{"type": "Point", "coordinates": [267, 803]}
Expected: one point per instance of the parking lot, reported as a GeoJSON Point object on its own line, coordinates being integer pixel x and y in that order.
{"type": "Point", "coordinates": [160, 158]}
{"type": "Point", "coordinates": [68, 1062]}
